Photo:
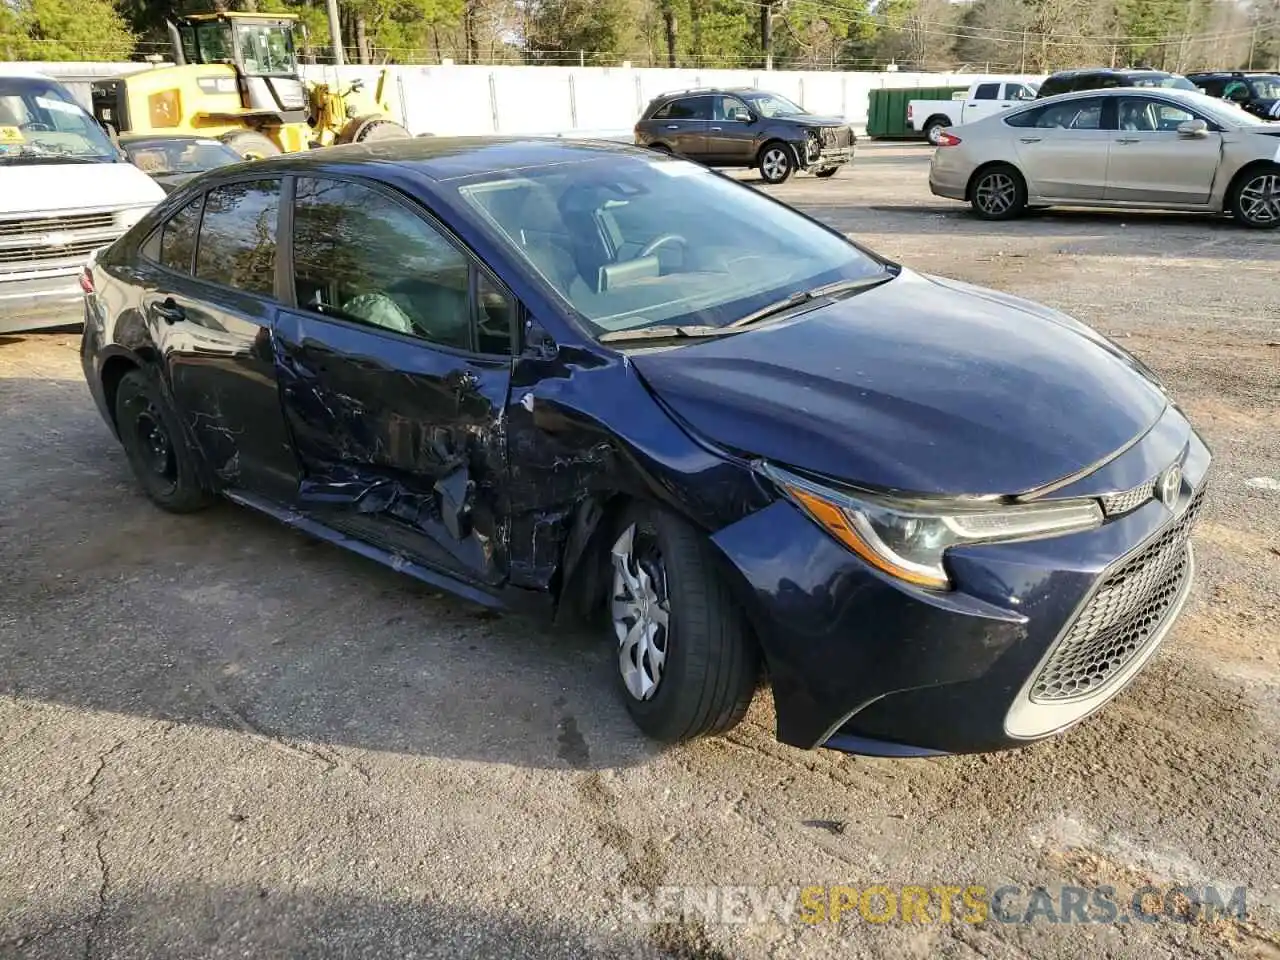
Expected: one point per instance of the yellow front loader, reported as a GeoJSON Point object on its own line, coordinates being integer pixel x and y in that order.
{"type": "Point", "coordinates": [236, 79]}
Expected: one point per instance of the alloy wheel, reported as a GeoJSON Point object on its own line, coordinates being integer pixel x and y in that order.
{"type": "Point", "coordinates": [1260, 199]}
{"type": "Point", "coordinates": [774, 165]}
{"type": "Point", "coordinates": [640, 610]}
{"type": "Point", "coordinates": [996, 193]}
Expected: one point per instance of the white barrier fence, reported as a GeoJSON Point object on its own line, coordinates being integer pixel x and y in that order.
{"type": "Point", "coordinates": [456, 100]}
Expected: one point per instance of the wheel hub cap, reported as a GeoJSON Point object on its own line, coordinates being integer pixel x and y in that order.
{"type": "Point", "coordinates": [154, 443]}
{"type": "Point", "coordinates": [640, 615]}
{"type": "Point", "coordinates": [775, 163]}
{"type": "Point", "coordinates": [996, 192]}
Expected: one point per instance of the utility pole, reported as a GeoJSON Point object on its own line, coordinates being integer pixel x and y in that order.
{"type": "Point", "coordinates": [1253, 45]}
{"type": "Point", "coordinates": [335, 31]}
{"type": "Point", "coordinates": [766, 32]}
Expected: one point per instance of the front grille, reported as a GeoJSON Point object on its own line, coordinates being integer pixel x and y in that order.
{"type": "Point", "coordinates": [1121, 618]}
{"type": "Point", "coordinates": [32, 254]}
{"type": "Point", "coordinates": [39, 225]}
{"type": "Point", "coordinates": [1117, 503]}
{"type": "Point", "coordinates": [836, 137]}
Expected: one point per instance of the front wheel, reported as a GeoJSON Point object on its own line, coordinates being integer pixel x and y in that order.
{"type": "Point", "coordinates": [687, 663]}
{"type": "Point", "coordinates": [776, 162]}
{"type": "Point", "coordinates": [998, 193]}
{"type": "Point", "coordinates": [1255, 202]}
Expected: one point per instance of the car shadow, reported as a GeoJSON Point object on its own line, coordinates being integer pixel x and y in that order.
{"type": "Point", "coordinates": [168, 921]}
{"type": "Point", "coordinates": [227, 618]}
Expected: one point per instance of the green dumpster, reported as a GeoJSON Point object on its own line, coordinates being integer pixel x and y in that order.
{"type": "Point", "coordinates": [887, 109]}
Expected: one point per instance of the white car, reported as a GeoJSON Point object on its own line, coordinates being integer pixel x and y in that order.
{"type": "Point", "coordinates": [983, 99]}
{"type": "Point", "coordinates": [65, 191]}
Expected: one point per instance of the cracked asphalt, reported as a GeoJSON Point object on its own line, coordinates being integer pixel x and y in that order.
{"type": "Point", "coordinates": [219, 738]}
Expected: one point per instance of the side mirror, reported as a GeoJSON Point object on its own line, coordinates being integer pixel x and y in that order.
{"type": "Point", "coordinates": [741, 117]}
{"type": "Point", "coordinates": [1193, 130]}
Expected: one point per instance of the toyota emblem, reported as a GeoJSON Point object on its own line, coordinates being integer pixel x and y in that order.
{"type": "Point", "coordinates": [1170, 485]}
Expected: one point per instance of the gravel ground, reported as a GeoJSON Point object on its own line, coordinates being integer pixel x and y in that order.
{"type": "Point", "coordinates": [219, 738]}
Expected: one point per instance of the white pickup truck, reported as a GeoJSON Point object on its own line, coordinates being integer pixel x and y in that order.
{"type": "Point", "coordinates": [931, 117]}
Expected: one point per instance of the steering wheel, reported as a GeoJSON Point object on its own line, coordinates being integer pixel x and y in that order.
{"type": "Point", "coordinates": [661, 241]}
{"type": "Point", "coordinates": [37, 127]}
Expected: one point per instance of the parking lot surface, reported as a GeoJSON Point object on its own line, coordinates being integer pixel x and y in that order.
{"type": "Point", "coordinates": [220, 738]}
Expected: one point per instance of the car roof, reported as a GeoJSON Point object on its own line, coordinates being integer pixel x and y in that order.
{"type": "Point", "coordinates": [1173, 93]}
{"type": "Point", "coordinates": [1112, 71]}
{"type": "Point", "coordinates": [24, 73]}
{"type": "Point", "coordinates": [450, 158]}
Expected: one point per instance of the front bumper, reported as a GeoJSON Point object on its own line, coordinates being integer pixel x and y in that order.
{"type": "Point", "coordinates": [40, 299]}
{"type": "Point", "coordinates": [863, 663]}
{"type": "Point", "coordinates": [830, 157]}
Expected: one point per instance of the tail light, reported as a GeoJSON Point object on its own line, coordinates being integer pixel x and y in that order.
{"type": "Point", "coordinates": [86, 280]}
{"type": "Point", "coordinates": [948, 139]}
{"type": "Point", "coordinates": [910, 112]}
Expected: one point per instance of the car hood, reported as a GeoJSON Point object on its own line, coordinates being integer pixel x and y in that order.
{"type": "Point", "coordinates": [810, 120]}
{"type": "Point", "coordinates": [920, 384]}
{"type": "Point", "coordinates": [44, 188]}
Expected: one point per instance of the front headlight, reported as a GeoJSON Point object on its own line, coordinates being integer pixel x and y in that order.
{"type": "Point", "coordinates": [908, 539]}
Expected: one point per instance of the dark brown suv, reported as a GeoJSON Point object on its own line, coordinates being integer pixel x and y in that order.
{"type": "Point", "coordinates": [745, 127]}
{"type": "Point", "coordinates": [1104, 78]}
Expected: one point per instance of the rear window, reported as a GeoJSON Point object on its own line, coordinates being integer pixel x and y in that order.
{"type": "Point", "coordinates": [178, 237]}
{"type": "Point", "coordinates": [238, 236]}
{"type": "Point", "coordinates": [1056, 85]}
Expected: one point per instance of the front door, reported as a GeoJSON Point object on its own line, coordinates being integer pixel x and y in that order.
{"type": "Point", "coordinates": [731, 134]}
{"type": "Point", "coordinates": [209, 306]}
{"type": "Point", "coordinates": [1062, 149]}
{"type": "Point", "coordinates": [1150, 162]}
{"type": "Point", "coordinates": [394, 367]}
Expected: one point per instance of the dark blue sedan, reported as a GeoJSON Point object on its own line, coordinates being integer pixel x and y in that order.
{"type": "Point", "coordinates": [615, 385]}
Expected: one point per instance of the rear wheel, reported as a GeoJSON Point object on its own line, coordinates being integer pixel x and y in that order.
{"type": "Point", "coordinates": [776, 162]}
{"type": "Point", "coordinates": [687, 664]}
{"type": "Point", "coordinates": [934, 127]}
{"type": "Point", "coordinates": [372, 128]}
{"type": "Point", "coordinates": [251, 144]}
{"type": "Point", "coordinates": [829, 172]}
{"type": "Point", "coordinates": [998, 193]}
{"type": "Point", "coordinates": [661, 148]}
{"type": "Point", "coordinates": [1255, 201]}
{"type": "Point", "coordinates": [151, 435]}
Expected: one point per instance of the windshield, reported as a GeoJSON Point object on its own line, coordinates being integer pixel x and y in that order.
{"type": "Point", "coordinates": [772, 105]}
{"type": "Point", "coordinates": [1224, 112]}
{"type": "Point", "coordinates": [267, 49]}
{"type": "Point", "coordinates": [1266, 88]}
{"type": "Point", "coordinates": [213, 42]}
{"type": "Point", "coordinates": [176, 155]}
{"type": "Point", "coordinates": [39, 121]}
{"type": "Point", "coordinates": [630, 242]}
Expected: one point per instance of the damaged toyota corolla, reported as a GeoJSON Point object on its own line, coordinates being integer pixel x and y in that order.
{"type": "Point", "coordinates": [584, 377]}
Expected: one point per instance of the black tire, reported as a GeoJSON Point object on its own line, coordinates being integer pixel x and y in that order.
{"type": "Point", "coordinates": [934, 126]}
{"type": "Point", "coordinates": [998, 192]}
{"type": "Point", "coordinates": [660, 148]}
{"type": "Point", "coordinates": [251, 144]}
{"type": "Point", "coordinates": [711, 662]}
{"type": "Point", "coordinates": [1255, 197]}
{"type": "Point", "coordinates": [829, 172]}
{"type": "Point", "coordinates": [146, 424]}
{"type": "Point", "coordinates": [776, 162]}
{"type": "Point", "coordinates": [371, 128]}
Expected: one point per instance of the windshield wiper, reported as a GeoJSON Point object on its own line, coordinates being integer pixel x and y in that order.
{"type": "Point", "coordinates": [807, 296]}
{"type": "Point", "coordinates": [49, 158]}
{"type": "Point", "coordinates": [662, 333]}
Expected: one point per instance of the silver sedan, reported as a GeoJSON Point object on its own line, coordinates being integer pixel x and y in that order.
{"type": "Point", "coordinates": [1125, 148]}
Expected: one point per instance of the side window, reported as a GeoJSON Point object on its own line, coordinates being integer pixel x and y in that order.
{"type": "Point", "coordinates": [1142, 114]}
{"type": "Point", "coordinates": [238, 236]}
{"type": "Point", "coordinates": [691, 108]}
{"type": "Point", "coordinates": [1211, 87]}
{"type": "Point", "coordinates": [495, 316]}
{"type": "Point", "coordinates": [1053, 86]}
{"type": "Point", "coordinates": [1072, 115]}
{"type": "Point", "coordinates": [987, 91]}
{"type": "Point", "coordinates": [1236, 90]}
{"type": "Point", "coordinates": [360, 256]}
{"type": "Point", "coordinates": [178, 237]}
{"type": "Point", "coordinates": [729, 109]}
{"type": "Point", "coordinates": [662, 112]}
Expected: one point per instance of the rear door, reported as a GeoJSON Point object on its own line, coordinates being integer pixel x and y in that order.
{"type": "Point", "coordinates": [1062, 149]}
{"type": "Point", "coordinates": [684, 126]}
{"type": "Point", "coordinates": [209, 308]}
{"type": "Point", "coordinates": [395, 365]}
{"type": "Point", "coordinates": [1150, 162]}
{"type": "Point", "coordinates": [983, 101]}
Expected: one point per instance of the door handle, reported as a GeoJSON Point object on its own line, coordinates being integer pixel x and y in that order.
{"type": "Point", "coordinates": [1005, 106]}
{"type": "Point", "coordinates": [673, 126]}
{"type": "Point", "coordinates": [169, 311]}
{"type": "Point", "coordinates": [462, 381]}
{"type": "Point", "coordinates": [1030, 139]}
{"type": "Point", "coordinates": [1128, 140]}
{"type": "Point", "coordinates": [717, 129]}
